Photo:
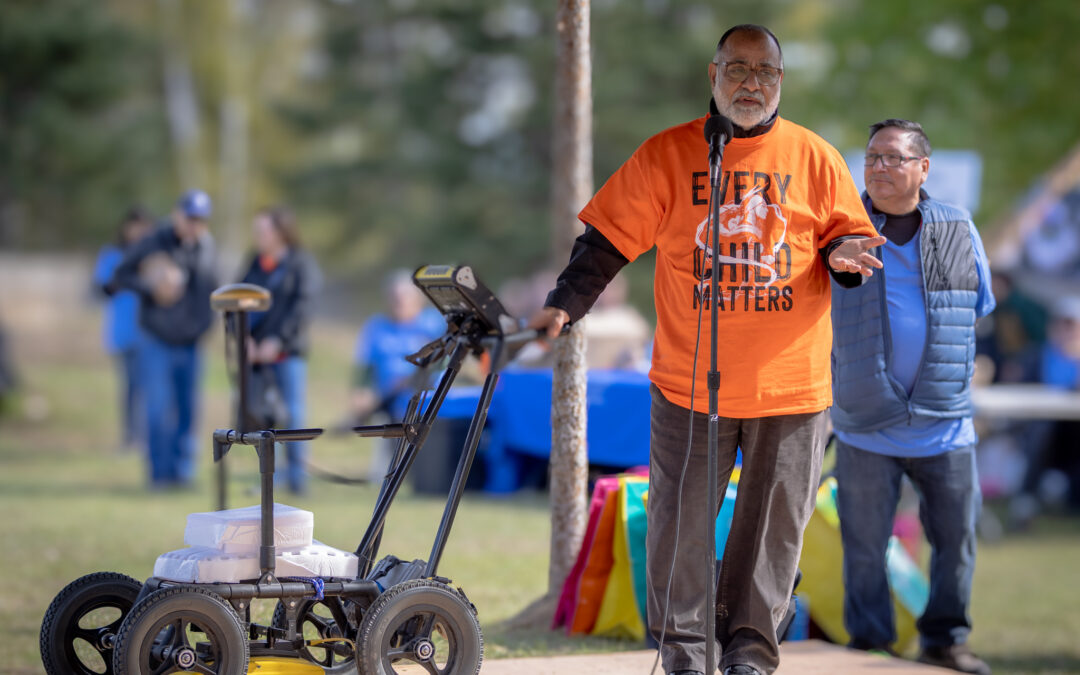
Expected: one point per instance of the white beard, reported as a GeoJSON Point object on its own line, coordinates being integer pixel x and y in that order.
{"type": "Point", "coordinates": [746, 117]}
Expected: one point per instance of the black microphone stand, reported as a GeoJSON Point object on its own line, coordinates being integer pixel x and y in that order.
{"type": "Point", "coordinates": [716, 156]}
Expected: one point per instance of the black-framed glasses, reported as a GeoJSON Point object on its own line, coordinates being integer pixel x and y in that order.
{"type": "Point", "coordinates": [738, 72]}
{"type": "Point", "coordinates": [890, 160]}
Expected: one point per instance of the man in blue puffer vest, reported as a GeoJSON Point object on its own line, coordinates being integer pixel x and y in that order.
{"type": "Point", "coordinates": [903, 358]}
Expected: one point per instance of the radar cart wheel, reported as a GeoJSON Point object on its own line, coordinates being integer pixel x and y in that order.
{"type": "Point", "coordinates": [179, 630]}
{"type": "Point", "coordinates": [423, 622]}
{"type": "Point", "coordinates": [80, 626]}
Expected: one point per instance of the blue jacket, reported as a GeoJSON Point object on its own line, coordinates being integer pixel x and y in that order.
{"type": "Point", "coordinates": [120, 327]}
{"type": "Point", "coordinates": [865, 396]}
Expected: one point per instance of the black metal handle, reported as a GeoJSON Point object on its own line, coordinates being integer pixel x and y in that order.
{"type": "Point", "coordinates": [296, 434]}
{"type": "Point", "coordinates": [380, 431]}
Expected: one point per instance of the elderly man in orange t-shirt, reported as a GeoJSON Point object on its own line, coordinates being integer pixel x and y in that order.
{"type": "Point", "coordinates": [789, 216]}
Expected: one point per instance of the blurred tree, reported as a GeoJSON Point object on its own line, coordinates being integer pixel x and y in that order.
{"type": "Point", "coordinates": [429, 136]}
{"type": "Point", "coordinates": [225, 66]}
{"type": "Point", "coordinates": [411, 132]}
{"type": "Point", "coordinates": [76, 130]}
{"type": "Point", "coordinates": [994, 77]}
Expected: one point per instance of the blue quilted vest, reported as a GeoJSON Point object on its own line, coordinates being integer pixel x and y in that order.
{"type": "Point", "coordinates": [865, 396]}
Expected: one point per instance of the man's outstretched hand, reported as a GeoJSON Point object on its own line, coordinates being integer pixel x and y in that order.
{"type": "Point", "coordinates": [549, 320]}
{"type": "Point", "coordinates": [853, 255]}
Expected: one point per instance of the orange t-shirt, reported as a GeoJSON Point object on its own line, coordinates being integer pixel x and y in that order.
{"type": "Point", "coordinates": [784, 195]}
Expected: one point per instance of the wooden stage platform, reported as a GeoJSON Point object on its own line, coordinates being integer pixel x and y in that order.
{"type": "Point", "coordinates": [806, 657]}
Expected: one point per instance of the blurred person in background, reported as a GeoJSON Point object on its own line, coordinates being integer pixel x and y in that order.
{"type": "Point", "coordinates": [120, 324]}
{"type": "Point", "coordinates": [279, 337]}
{"type": "Point", "coordinates": [903, 361]}
{"type": "Point", "coordinates": [522, 297]}
{"type": "Point", "coordinates": [173, 271]}
{"type": "Point", "coordinates": [617, 335]}
{"type": "Point", "coordinates": [1052, 474]}
{"type": "Point", "coordinates": [1059, 362]}
{"type": "Point", "coordinates": [382, 378]}
{"type": "Point", "coordinates": [1011, 338]}
{"type": "Point", "coordinates": [1009, 343]}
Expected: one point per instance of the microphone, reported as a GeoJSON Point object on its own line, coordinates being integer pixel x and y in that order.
{"type": "Point", "coordinates": [718, 131]}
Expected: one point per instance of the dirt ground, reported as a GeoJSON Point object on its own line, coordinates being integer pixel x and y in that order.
{"type": "Point", "coordinates": [808, 657]}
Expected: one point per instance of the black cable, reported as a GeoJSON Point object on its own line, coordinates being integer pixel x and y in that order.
{"type": "Point", "coordinates": [332, 477]}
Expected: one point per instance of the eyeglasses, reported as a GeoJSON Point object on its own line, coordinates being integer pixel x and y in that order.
{"type": "Point", "coordinates": [767, 76]}
{"type": "Point", "coordinates": [738, 72]}
{"type": "Point", "coordinates": [891, 161]}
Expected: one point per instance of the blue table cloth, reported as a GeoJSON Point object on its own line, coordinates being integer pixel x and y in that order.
{"type": "Point", "coordinates": [519, 421]}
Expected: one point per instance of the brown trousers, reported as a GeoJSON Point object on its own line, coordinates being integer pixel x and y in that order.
{"type": "Point", "coordinates": [781, 467]}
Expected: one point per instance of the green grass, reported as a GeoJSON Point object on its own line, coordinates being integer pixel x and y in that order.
{"type": "Point", "coordinates": [1026, 602]}
{"type": "Point", "coordinates": [71, 504]}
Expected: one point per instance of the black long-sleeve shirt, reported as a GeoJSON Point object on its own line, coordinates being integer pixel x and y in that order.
{"type": "Point", "coordinates": [185, 321]}
{"type": "Point", "coordinates": [294, 284]}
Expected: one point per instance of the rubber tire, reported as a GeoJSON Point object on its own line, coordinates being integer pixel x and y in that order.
{"type": "Point", "coordinates": [213, 616]}
{"type": "Point", "coordinates": [346, 665]}
{"type": "Point", "coordinates": [60, 627]}
{"type": "Point", "coordinates": [401, 603]}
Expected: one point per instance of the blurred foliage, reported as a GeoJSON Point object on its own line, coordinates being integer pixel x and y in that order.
{"type": "Point", "coordinates": [407, 132]}
{"type": "Point", "coordinates": [434, 124]}
{"type": "Point", "coordinates": [79, 123]}
{"type": "Point", "coordinates": [994, 77]}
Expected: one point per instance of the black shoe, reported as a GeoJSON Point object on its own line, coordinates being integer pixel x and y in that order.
{"type": "Point", "coordinates": [955, 657]}
{"type": "Point", "coordinates": [741, 669]}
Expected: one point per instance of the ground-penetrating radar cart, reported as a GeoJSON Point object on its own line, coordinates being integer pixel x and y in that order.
{"type": "Point", "coordinates": [358, 613]}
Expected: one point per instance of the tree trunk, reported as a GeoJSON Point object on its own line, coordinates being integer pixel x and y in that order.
{"type": "Point", "coordinates": [181, 104]}
{"type": "Point", "coordinates": [569, 461]}
{"type": "Point", "coordinates": [572, 185]}
{"type": "Point", "coordinates": [234, 130]}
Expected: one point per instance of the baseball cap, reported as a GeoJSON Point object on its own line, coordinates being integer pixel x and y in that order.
{"type": "Point", "coordinates": [195, 204]}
